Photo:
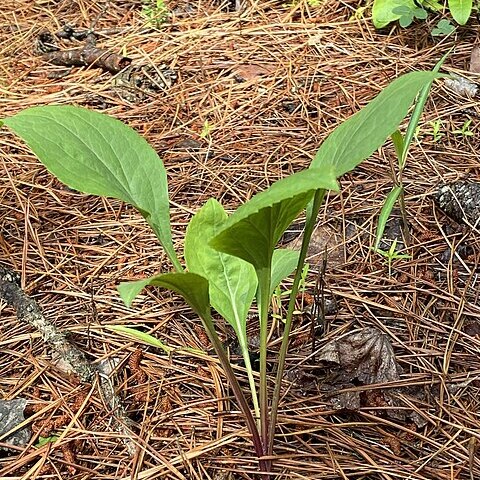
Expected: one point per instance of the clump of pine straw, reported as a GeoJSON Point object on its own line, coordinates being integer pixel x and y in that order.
{"type": "Point", "coordinates": [303, 70]}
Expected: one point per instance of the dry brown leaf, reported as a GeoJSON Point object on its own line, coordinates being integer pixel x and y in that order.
{"type": "Point", "coordinates": [365, 355]}
{"type": "Point", "coordinates": [475, 59]}
{"type": "Point", "coordinates": [323, 237]}
{"type": "Point", "coordinates": [251, 72]}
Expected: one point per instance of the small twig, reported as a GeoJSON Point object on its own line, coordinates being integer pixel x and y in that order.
{"type": "Point", "coordinates": [89, 55]}
{"type": "Point", "coordinates": [29, 311]}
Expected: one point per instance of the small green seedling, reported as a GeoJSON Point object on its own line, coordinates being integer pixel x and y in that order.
{"type": "Point", "coordinates": [436, 132]}
{"type": "Point", "coordinates": [391, 254]}
{"type": "Point", "coordinates": [279, 294]}
{"type": "Point", "coordinates": [408, 14]}
{"type": "Point", "coordinates": [207, 129]}
{"type": "Point", "coordinates": [402, 145]}
{"type": "Point", "coordinates": [155, 12]}
{"type": "Point", "coordinates": [443, 28]}
{"type": "Point", "coordinates": [465, 130]}
{"type": "Point", "coordinates": [44, 440]}
{"type": "Point", "coordinates": [231, 261]}
{"type": "Point", "coordinates": [359, 13]}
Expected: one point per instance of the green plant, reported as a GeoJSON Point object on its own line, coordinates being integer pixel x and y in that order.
{"type": "Point", "coordinates": [464, 130]}
{"type": "Point", "coordinates": [392, 254]}
{"type": "Point", "coordinates": [405, 11]}
{"type": "Point", "coordinates": [155, 12]}
{"type": "Point", "coordinates": [207, 129]}
{"type": "Point", "coordinates": [402, 144]}
{"type": "Point", "coordinates": [279, 294]}
{"type": "Point", "coordinates": [232, 261]}
{"type": "Point", "coordinates": [436, 131]}
{"type": "Point", "coordinates": [443, 28]}
{"type": "Point", "coordinates": [407, 14]}
{"type": "Point", "coordinates": [44, 440]}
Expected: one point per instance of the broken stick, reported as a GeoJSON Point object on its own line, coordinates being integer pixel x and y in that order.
{"type": "Point", "coordinates": [29, 311]}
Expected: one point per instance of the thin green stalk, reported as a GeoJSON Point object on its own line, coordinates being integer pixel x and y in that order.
{"type": "Point", "coordinates": [307, 234]}
{"type": "Point", "coordinates": [403, 210]}
{"type": "Point", "coordinates": [263, 305]}
{"type": "Point", "coordinates": [251, 380]}
{"type": "Point", "coordinates": [207, 321]}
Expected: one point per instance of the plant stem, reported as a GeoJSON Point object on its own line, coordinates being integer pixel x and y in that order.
{"type": "Point", "coordinates": [403, 210]}
{"type": "Point", "coordinates": [237, 390]}
{"type": "Point", "coordinates": [251, 380]}
{"type": "Point", "coordinates": [307, 234]}
{"type": "Point", "coordinates": [263, 297]}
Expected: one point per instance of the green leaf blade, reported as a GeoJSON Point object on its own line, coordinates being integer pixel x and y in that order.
{"type": "Point", "coordinates": [192, 287]}
{"type": "Point", "coordinates": [143, 337]}
{"type": "Point", "coordinates": [232, 281]}
{"type": "Point", "coordinates": [385, 213]}
{"type": "Point", "coordinates": [364, 132]}
{"type": "Point", "coordinates": [398, 143]}
{"type": "Point", "coordinates": [252, 232]}
{"type": "Point", "coordinates": [284, 262]}
{"type": "Point", "coordinates": [97, 154]}
{"type": "Point", "coordinates": [460, 10]}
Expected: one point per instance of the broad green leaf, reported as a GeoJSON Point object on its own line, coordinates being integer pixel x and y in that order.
{"type": "Point", "coordinates": [254, 229]}
{"type": "Point", "coordinates": [405, 20]}
{"type": "Point", "coordinates": [97, 154]}
{"type": "Point", "coordinates": [192, 287]}
{"type": "Point", "coordinates": [385, 213]}
{"type": "Point", "coordinates": [363, 133]}
{"type": "Point", "coordinates": [284, 262]}
{"type": "Point", "coordinates": [460, 10]}
{"type": "Point", "coordinates": [232, 281]}
{"type": "Point", "coordinates": [382, 11]}
{"type": "Point", "coordinates": [140, 336]}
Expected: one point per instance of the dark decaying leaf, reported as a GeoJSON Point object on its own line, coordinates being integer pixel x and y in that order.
{"type": "Point", "coordinates": [365, 355]}
{"type": "Point", "coordinates": [325, 239]}
{"type": "Point", "coordinates": [460, 201]}
{"type": "Point", "coordinates": [11, 415]}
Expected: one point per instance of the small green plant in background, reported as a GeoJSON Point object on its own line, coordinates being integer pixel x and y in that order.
{"type": "Point", "coordinates": [444, 27]}
{"type": "Point", "coordinates": [207, 129]}
{"type": "Point", "coordinates": [407, 14]}
{"type": "Point", "coordinates": [44, 440]}
{"type": "Point", "coordinates": [464, 131]}
{"type": "Point", "coordinates": [279, 294]}
{"type": "Point", "coordinates": [392, 254]}
{"type": "Point", "coordinates": [402, 145]}
{"type": "Point", "coordinates": [436, 131]}
{"type": "Point", "coordinates": [405, 11]}
{"type": "Point", "coordinates": [155, 12]}
{"type": "Point", "coordinates": [230, 262]}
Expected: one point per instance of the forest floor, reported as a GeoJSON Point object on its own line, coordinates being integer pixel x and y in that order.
{"type": "Point", "coordinates": [239, 99]}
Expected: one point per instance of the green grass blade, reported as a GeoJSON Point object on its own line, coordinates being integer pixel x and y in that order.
{"type": "Point", "coordinates": [140, 336]}
{"type": "Point", "coordinates": [385, 213]}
